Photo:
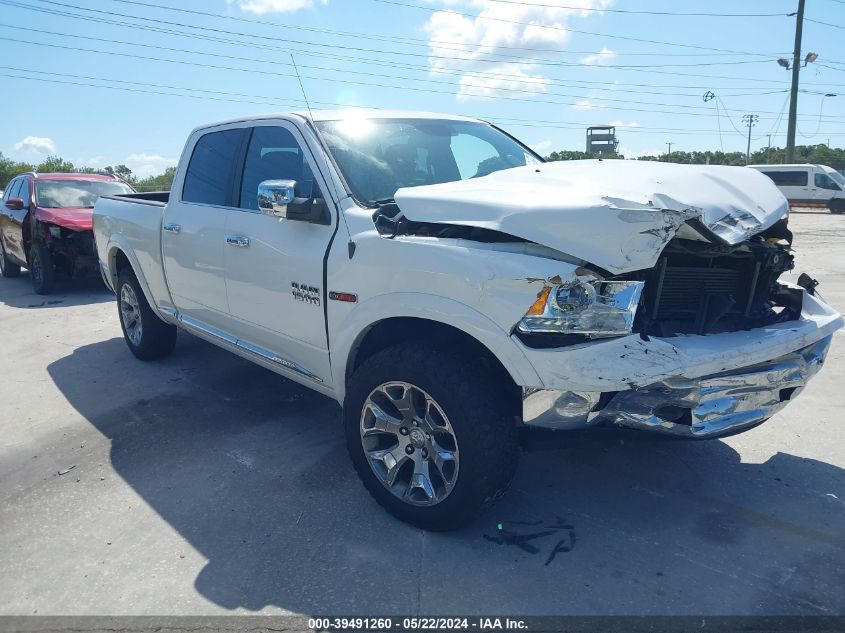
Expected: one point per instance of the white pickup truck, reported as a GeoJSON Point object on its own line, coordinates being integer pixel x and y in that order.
{"type": "Point", "coordinates": [448, 287]}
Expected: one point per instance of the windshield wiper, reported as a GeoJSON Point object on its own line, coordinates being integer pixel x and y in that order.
{"type": "Point", "coordinates": [384, 201]}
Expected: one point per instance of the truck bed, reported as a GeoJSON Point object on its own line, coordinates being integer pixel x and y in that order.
{"type": "Point", "coordinates": [133, 222]}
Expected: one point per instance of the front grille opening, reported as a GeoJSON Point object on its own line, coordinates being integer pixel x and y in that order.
{"type": "Point", "coordinates": [701, 288]}
{"type": "Point", "coordinates": [786, 394]}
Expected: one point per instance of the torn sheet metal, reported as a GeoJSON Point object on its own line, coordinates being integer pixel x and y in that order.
{"type": "Point", "coordinates": [706, 407]}
{"type": "Point", "coordinates": [616, 214]}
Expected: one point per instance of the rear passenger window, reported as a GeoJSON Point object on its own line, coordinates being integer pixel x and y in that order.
{"type": "Point", "coordinates": [212, 167]}
{"type": "Point", "coordinates": [15, 189]}
{"type": "Point", "coordinates": [274, 154]}
{"type": "Point", "coordinates": [788, 178]}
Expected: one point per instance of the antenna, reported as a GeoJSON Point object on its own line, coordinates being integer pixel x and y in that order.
{"type": "Point", "coordinates": [301, 87]}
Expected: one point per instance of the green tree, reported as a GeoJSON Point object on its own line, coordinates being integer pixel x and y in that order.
{"type": "Point", "coordinates": [10, 168]}
{"type": "Point", "coordinates": [161, 182]}
{"type": "Point", "coordinates": [55, 164]}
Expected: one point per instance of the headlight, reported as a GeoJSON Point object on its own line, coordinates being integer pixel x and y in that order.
{"type": "Point", "coordinates": [593, 309]}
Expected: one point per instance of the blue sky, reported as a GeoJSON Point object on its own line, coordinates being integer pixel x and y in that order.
{"type": "Point", "coordinates": [473, 57]}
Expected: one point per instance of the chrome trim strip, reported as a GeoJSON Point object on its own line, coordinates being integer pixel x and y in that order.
{"type": "Point", "coordinates": [207, 329]}
{"type": "Point", "coordinates": [244, 345]}
{"type": "Point", "coordinates": [275, 358]}
{"type": "Point", "coordinates": [167, 310]}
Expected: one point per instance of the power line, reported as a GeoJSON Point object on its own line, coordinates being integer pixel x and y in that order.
{"type": "Point", "coordinates": [346, 80]}
{"type": "Point", "coordinates": [628, 11]}
{"type": "Point", "coordinates": [558, 124]}
{"type": "Point", "coordinates": [366, 73]}
{"type": "Point", "coordinates": [253, 44]}
{"type": "Point", "coordinates": [567, 29]}
{"type": "Point", "coordinates": [835, 26]}
{"type": "Point", "coordinates": [521, 59]}
{"type": "Point", "coordinates": [404, 39]}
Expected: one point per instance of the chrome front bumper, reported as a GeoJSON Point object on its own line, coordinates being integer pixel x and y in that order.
{"type": "Point", "coordinates": [705, 407]}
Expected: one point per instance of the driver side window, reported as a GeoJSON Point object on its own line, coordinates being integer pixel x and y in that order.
{"type": "Point", "coordinates": [826, 182]}
{"type": "Point", "coordinates": [274, 154]}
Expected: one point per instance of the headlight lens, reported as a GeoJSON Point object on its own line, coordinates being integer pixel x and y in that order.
{"type": "Point", "coordinates": [593, 309]}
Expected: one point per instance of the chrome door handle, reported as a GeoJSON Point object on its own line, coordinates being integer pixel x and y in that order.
{"type": "Point", "coordinates": [237, 240]}
{"type": "Point", "coordinates": [172, 228]}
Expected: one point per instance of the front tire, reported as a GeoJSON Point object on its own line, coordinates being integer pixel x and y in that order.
{"type": "Point", "coordinates": [42, 269]}
{"type": "Point", "coordinates": [837, 206]}
{"type": "Point", "coordinates": [430, 435]}
{"type": "Point", "coordinates": [147, 336]}
{"type": "Point", "coordinates": [7, 268]}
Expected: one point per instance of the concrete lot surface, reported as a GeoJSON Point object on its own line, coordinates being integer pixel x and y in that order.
{"type": "Point", "coordinates": [203, 484]}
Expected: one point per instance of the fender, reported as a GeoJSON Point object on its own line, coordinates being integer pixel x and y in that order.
{"type": "Point", "coordinates": [118, 243]}
{"type": "Point", "coordinates": [434, 308]}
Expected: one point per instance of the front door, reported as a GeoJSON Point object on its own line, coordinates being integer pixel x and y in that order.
{"type": "Point", "coordinates": [193, 231]}
{"type": "Point", "coordinates": [274, 266]}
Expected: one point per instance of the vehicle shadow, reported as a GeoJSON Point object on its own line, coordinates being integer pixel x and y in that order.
{"type": "Point", "coordinates": [252, 471]}
{"type": "Point", "coordinates": [17, 292]}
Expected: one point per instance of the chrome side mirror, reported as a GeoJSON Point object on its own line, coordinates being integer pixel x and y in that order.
{"type": "Point", "coordinates": [274, 196]}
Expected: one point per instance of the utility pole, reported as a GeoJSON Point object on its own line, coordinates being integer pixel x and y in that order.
{"type": "Point", "coordinates": [749, 120]}
{"type": "Point", "coordinates": [793, 95]}
{"type": "Point", "coordinates": [669, 154]}
{"type": "Point", "coordinates": [768, 149]}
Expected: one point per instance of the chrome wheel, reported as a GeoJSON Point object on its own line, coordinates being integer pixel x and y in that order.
{"type": "Point", "coordinates": [409, 443]}
{"type": "Point", "coordinates": [130, 314]}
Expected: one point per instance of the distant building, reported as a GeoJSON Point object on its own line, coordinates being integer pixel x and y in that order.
{"type": "Point", "coordinates": [601, 139]}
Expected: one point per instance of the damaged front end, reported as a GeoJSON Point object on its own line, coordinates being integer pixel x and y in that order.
{"type": "Point", "coordinates": [710, 406]}
{"type": "Point", "coordinates": [72, 251]}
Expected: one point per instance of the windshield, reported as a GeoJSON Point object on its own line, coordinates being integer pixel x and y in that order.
{"type": "Point", "coordinates": [379, 156]}
{"type": "Point", "coordinates": [58, 194]}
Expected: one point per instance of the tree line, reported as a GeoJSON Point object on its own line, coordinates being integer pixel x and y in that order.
{"type": "Point", "coordinates": [817, 154]}
{"type": "Point", "coordinates": [10, 168]}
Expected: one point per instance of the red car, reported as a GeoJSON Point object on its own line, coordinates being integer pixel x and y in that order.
{"type": "Point", "coordinates": [46, 225]}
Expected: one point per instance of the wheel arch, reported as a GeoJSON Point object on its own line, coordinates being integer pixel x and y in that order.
{"type": "Point", "coordinates": [428, 318]}
{"type": "Point", "coordinates": [119, 258]}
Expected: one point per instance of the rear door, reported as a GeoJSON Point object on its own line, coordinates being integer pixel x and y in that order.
{"type": "Point", "coordinates": [193, 230]}
{"type": "Point", "coordinates": [12, 219]}
{"type": "Point", "coordinates": [274, 266]}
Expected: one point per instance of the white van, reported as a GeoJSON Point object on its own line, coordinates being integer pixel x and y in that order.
{"type": "Point", "coordinates": [808, 185]}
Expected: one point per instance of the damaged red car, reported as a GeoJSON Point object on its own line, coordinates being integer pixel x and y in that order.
{"type": "Point", "coordinates": [46, 225]}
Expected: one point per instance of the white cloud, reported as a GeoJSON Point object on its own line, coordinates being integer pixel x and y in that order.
{"type": "Point", "coordinates": [621, 123]}
{"type": "Point", "coordinates": [542, 147]}
{"type": "Point", "coordinates": [630, 152]}
{"type": "Point", "coordinates": [586, 104]}
{"type": "Point", "coordinates": [483, 45]}
{"type": "Point", "coordinates": [599, 59]}
{"type": "Point", "coordinates": [36, 144]}
{"type": "Point", "coordinates": [143, 165]}
{"type": "Point", "coordinates": [260, 7]}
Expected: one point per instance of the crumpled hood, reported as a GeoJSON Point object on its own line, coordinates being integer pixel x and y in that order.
{"type": "Point", "coordinates": [75, 219]}
{"type": "Point", "coordinates": [616, 214]}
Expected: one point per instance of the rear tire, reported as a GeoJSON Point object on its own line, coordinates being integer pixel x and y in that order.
{"type": "Point", "coordinates": [42, 270]}
{"type": "Point", "coordinates": [449, 447]}
{"type": "Point", "coordinates": [147, 336]}
{"type": "Point", "coordinates": [7, 268]}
